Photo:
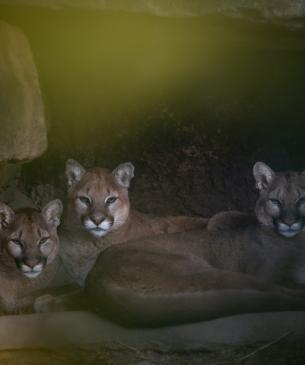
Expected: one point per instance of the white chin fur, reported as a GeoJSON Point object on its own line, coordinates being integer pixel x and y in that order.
{"type": "Point", "coordinates": [98, 232]}
{"type": "Point", "coordinates": [288, 234]}
{"type": "Point", "coordinates": [32, 274]}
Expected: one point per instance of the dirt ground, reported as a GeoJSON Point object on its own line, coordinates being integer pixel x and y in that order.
{"type": "Point", "coordinates": [276, 354]}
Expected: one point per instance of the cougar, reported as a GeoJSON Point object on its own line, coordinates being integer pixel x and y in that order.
{"type": "Point", "coordinates": [29, 257]}
{"type": "Point", "coordinates": [98, 216]}
{"type": "Point", "coordinates": [200, 275]}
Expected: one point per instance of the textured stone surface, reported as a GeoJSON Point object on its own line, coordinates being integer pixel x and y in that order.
{"type": "Point", "coordinates": [192, 103]}
{"type": "Point", "coordinates": [272, 10]}
{"type": "Point", "coordinates": [10, 190]}
{"type": "Point", "coordinates": [23, 131]}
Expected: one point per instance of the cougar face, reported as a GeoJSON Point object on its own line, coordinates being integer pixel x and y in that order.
{"type": "Point", "coordinates": [98, 198]}
{"type": "Point", "coordinates": [30, 237]}
{"type": "Point", "coordinates": [282, 200]}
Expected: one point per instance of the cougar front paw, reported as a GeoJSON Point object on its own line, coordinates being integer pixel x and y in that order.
{"type": "Point", "coordinates": [47, 303]}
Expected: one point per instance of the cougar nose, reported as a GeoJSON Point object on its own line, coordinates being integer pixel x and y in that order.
{"type": "Point", "coordinates": [289, 221]}
{"type": "Point", "coordinates": [97, 219]}
{"type": "Point", "coordinates": [31, 262]}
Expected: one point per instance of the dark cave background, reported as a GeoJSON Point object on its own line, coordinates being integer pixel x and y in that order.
{"type": "Point", "coordinates": [192, 102]}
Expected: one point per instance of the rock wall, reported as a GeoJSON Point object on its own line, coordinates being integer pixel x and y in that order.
{"type": "Point", "coordinates": [193, 103]}
{"type": "Point", "coordinates": [282, 11]}
{"type": "Point", "coordinates": [23, 129]}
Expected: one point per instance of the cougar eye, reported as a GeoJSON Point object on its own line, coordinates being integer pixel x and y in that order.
{"type": "Point", "coordinates": [111, 200]}
{"type": "Point", "coordinates": [4, 223]}
{"type": "Point", "coordinates": [84, 200]}
{"type": "Point", "coordinates": [43, 240]}
{"type": "Point", "coordinates": [275, 201]}
{"type": "Point", "coordinates": [17, 242]}
{"type": "Point", "coordinates": [301, 200]}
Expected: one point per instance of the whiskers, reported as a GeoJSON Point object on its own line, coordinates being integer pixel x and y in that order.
{"type": "Point", "coordinates": [117, 223]}
{"type": "Point", "coordinates": [109, 224]}
{"type": "Point", "coordinates": [98, 230]}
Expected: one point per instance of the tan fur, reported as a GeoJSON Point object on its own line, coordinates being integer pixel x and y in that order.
{"type": "Point", "coordinates": [200, 275]}
{"type": "Point", "coordinates": [29, 253]}
{"type": "Point", "coordinates": [80, 248]}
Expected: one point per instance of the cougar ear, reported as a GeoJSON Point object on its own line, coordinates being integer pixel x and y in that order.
{"type": "Point", "coordinates": [7, 216]}
{"type": "Point", "coordinates": [74, 172]}
{"type": "Point", "coordinates": [123, 174]}
{"type": "Point", "coordinates": [263, 175]}
{"type": "Point", "coordinates": [52, 212]}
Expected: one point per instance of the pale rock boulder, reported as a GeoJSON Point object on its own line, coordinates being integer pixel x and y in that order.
{"type": "Point", "coordinates": [23, 133]}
